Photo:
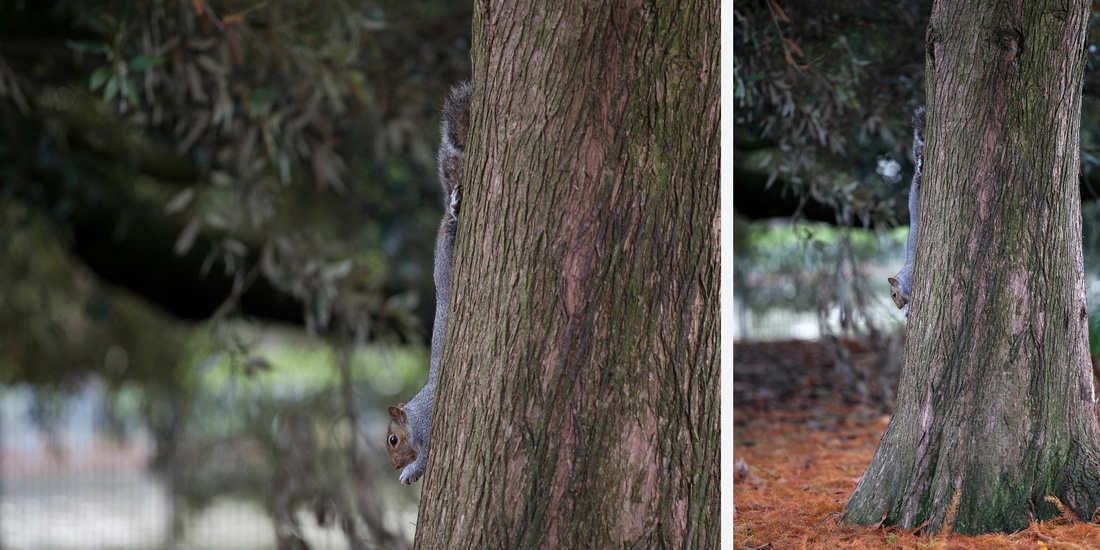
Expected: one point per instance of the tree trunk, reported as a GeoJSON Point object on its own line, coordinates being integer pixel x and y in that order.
{"type": "Point", "coordinates": [578, 398]}
{"type": "Point", "coordinates": [995, 406]}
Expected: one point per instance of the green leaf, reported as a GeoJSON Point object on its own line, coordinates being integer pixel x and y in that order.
{"type": "Point", "coordinates": [337, 270]}
{"type": "Point", "coordinates": [98, 78]}
{"type": "Point", "coordinates": [142, 62]}
{"type": "Point", "coordinates": [111, 89]}
{"type": "Point", "coordinates": [180, 201]}
{"type": "Point", "coordinates": [187, 237]}
{"type": "Point", "coordinates": [131, 93]}
{"type": "Point", "coordinates": [210, 362]}
{"type": "Point", "coordinates": [259, 97]}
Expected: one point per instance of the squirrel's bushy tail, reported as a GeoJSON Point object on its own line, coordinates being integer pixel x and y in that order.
{"type": "Point", "coordinates": [453, 130]}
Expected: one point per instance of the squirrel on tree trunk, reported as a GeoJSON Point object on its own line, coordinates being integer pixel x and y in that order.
{"type": "Point", "coordinates": [410, 423]}
{"type": "Point", "coordinates": [901, 284]}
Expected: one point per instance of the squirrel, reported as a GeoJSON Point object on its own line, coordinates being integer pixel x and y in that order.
{"type": "Point", "coordinates": [901, 284]}
{"type": "Point", "coordinates": [410, 423]}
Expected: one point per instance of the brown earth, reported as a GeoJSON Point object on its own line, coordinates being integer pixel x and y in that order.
{"type": "Point", "coordinates": [802, 441]}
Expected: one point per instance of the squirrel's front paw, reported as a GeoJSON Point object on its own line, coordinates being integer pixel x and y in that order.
{"type": "Point", "coordinates": [410, 475]}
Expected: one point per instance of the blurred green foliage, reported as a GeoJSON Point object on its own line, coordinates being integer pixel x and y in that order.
{"type": "Point", "coordinates": [60, 323]}
{"type": "Point", "coordinates": [776, 262]}
{"type": "Point", "coordinates": [824, 92]}
{"type": "Point", "coordinates": [219, 145]}
{"type": "Point", "coordinates": [174, 175]}
{"type": "Point", "coordinates": [296, 366]}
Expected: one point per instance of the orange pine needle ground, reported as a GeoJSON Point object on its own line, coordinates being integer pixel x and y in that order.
{"type": "Point", "coordinates": [803, 450]}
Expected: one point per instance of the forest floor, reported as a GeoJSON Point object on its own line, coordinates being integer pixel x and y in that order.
{"type": "Point", "coordinates": [801, 444]}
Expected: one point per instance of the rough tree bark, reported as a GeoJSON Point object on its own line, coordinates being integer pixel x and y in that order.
{"type": "Point", "coordinates": [578, 398]}
{"type": "Point", "coordinates": [996, 398]}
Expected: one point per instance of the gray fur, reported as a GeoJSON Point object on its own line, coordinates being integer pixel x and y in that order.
{"type": "Point", "coordinates": [901, 284]}
{"type": "Point", "coordinates": [452, 161]}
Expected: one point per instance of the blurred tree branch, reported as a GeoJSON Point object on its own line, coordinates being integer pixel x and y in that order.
{"type": "Point", "coordinates": [115, 111]}
{"type": "Point", "coordinates": [823, 92]}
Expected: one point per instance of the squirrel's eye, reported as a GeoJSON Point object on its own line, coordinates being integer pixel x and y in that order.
{"type": "Point", "coordinates": [894, 294]}
{"type": "Point", "coordinates": [393, 440]}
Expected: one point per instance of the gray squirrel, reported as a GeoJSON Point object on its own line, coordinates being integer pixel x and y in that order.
{"type": "Point", "coordinates": [901, 284]}
{"type": "Point", "coordinates": [410, 423]}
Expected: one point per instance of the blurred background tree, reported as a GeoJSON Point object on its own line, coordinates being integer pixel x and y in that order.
{"type": "Point", "coordinates": [176, 176]}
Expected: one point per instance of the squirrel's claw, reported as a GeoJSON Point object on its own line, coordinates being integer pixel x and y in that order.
{"type": "Point", "coordinates": [410, 476]}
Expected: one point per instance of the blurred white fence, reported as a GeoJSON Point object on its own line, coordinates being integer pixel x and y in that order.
{"type": "Point", "coordinates": [76, 487]}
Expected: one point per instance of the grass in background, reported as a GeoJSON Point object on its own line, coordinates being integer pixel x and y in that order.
{"type": "Point", "coordinates": [302, 367]}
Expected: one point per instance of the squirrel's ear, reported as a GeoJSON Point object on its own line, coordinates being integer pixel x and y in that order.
{"type": "Point", "coordinates": [397, 414]}
{"type": "Point", "coordinates": [892, 281]}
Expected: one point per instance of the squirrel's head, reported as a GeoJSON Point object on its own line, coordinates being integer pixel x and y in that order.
{"type": "Point", "coordinates": [900, 299]}
{"type": "Point", "coordinates": [401, 450]}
